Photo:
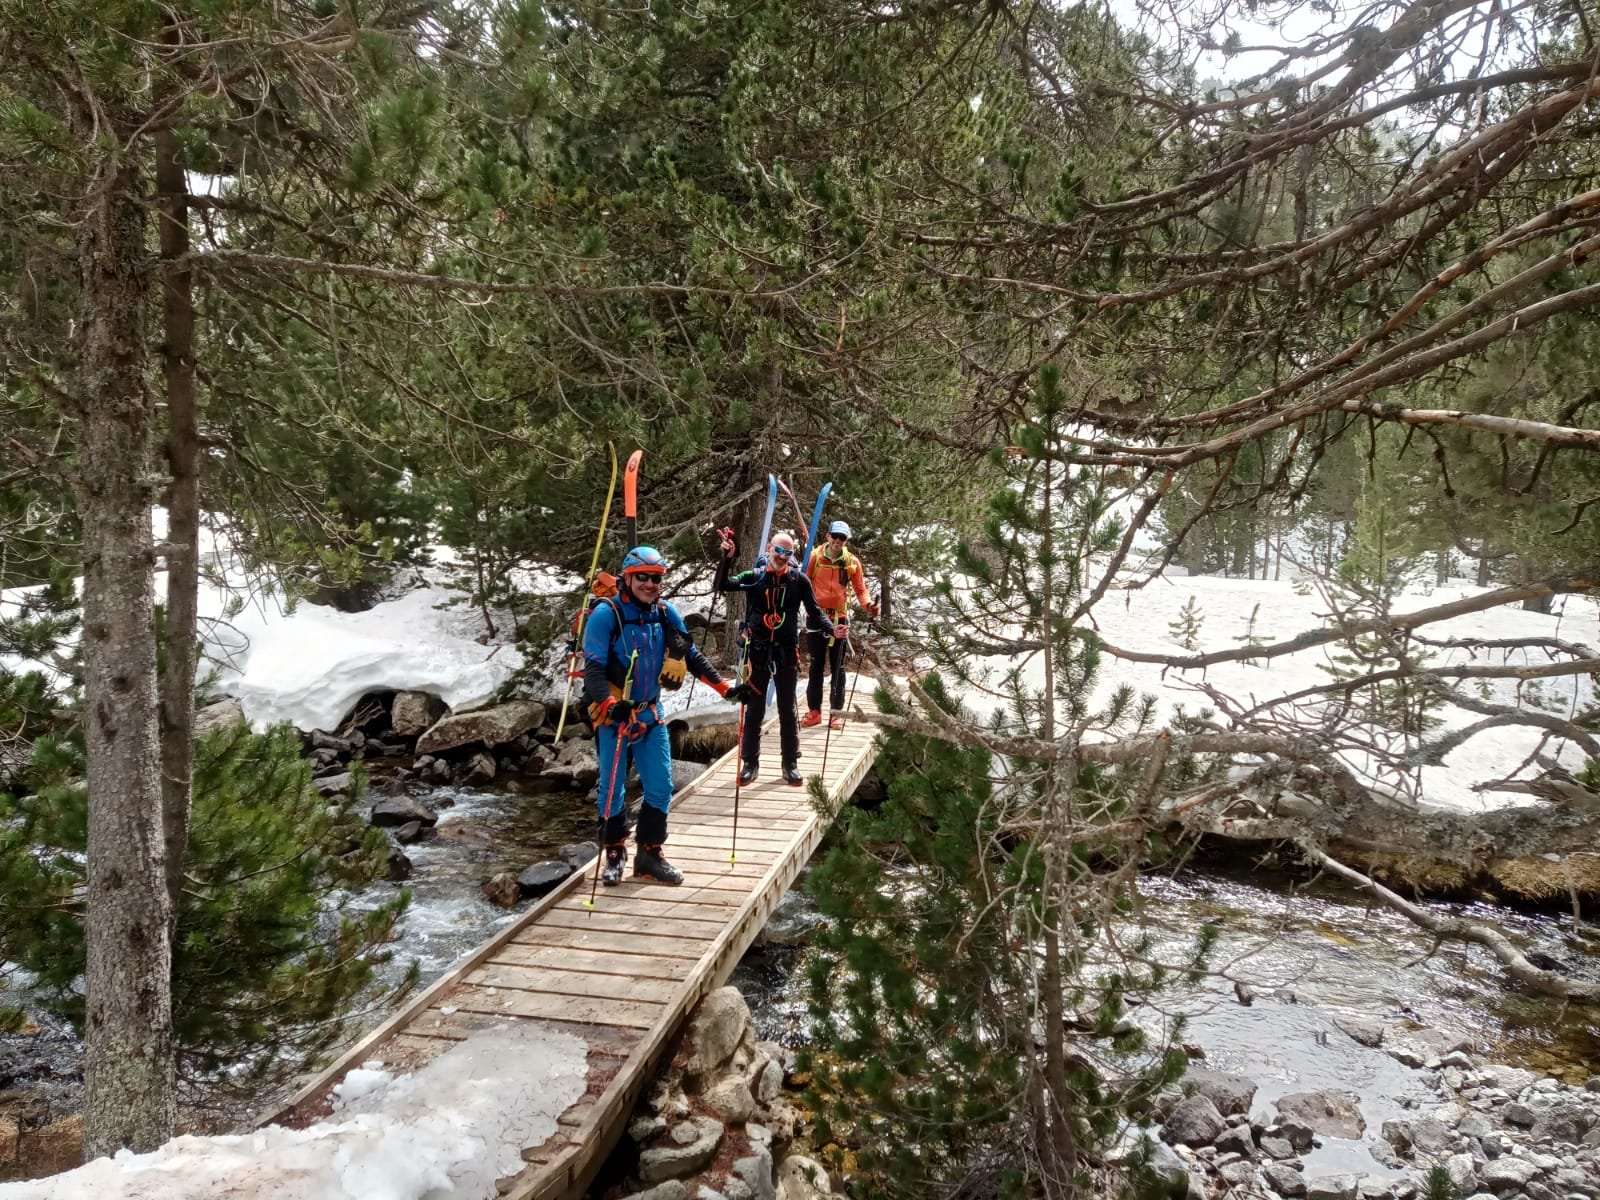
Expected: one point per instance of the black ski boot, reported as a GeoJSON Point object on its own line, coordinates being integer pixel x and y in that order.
{"type": "Point", "coordinates": [791, 774]}
{"type": "Point", "coordinates": [649, 864]}
{"type": "Point", "coordinates": [748, 773]}
{"type": "Point", "coordinates": [616, 858]}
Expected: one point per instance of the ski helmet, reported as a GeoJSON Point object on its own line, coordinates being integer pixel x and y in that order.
{"type": "Point", "coordinates": [840, 528]}
{"type": "Point", "coordinates": [643, 560]}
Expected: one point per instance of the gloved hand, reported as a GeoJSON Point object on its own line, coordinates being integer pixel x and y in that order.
{"type": "Point", "coordinates": [841, 631]}
{"type": "Point", "coordinates": [871, 609]}
{"type": "Point", "coordinates": [728, 541]}
{"type": "Point", "coordinates": [741, 694]}
{"type": "Point", "coordinates": [612, 711]}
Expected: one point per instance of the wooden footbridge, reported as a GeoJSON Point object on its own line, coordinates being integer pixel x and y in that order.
{"type": "Point", "coordinates": [623, 976]}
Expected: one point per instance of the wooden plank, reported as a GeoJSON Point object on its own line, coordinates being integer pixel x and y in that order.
{"type": "Point", "coordinates": [616, 918]}
{"type": "Point", "coordinates": [604, 941]}
{"type": "Point", "coordinates": [644, 919]}
{"type": "Point", "coordinates": [614, 1041]}
{"type": "Point", "coordinates": [632, 1014]}
{"type": "Point", "coordinates": [652, 989]}
{"type": "Point", "coordinates": [596, 962]}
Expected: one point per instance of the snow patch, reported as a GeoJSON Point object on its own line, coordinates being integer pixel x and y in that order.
{"type": "Point", "coordinates": [445, 1132]}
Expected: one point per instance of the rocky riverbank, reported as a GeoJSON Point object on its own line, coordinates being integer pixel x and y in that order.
{"type": "Point", "coordinates": [1495, 1132]}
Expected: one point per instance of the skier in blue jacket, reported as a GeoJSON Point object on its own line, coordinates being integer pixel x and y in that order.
{"type": "Point", "coordinates": [632, 644]}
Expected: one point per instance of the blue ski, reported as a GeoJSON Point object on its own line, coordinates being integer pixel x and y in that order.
{"type": "Point", "coordinates": [816, 522]}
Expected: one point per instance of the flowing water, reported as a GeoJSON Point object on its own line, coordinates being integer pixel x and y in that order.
{"type": "Point", "coordinates": [1310, 952]}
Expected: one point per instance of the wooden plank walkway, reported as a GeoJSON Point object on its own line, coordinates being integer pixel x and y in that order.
{"type": "Point", "coordinates": [624, 976]}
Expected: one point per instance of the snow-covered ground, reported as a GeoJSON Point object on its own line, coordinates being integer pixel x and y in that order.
{"type": "Point", "coordinates": [1149, 620]}
{"type": "Point", "coordinates": [445, 1132]}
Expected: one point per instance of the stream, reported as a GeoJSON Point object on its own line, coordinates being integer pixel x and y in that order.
{"type": "Point", "coordinates": [1310, 952]}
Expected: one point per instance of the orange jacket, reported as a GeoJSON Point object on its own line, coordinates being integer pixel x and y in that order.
{"type": "Point", "coordinates": [829, 577]}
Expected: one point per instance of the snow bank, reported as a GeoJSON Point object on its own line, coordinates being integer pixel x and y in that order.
{"type": "Point", "coordinates": [1142, 619]}
{"type": "Point", "coordinates": [446, 1132]}
{"type": "Point", "coordinates": [309, 667]}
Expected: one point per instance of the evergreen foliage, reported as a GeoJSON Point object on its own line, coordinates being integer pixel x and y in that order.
{"type": "Point", "coordinates": [984, 940]}
{"type": "Point", "coordinates": [268, 964]}
{"type": "Point", "coordinates": [1185, 630]}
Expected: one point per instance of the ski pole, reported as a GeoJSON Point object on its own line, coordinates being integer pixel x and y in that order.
{"type": "Point", "coordinates": [605, 796]}
{"type": "Point", "coordinates": [711, 623]}
{"type": "Point", "coordinates": [583, 613]}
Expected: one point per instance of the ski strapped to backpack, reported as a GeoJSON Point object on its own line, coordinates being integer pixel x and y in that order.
{"type": "Point", "coordinates": [816, 519]}
{"type": "Point", "coordinates": [575, 655]}
{"type": "Point", "coordinates": [630, 499]}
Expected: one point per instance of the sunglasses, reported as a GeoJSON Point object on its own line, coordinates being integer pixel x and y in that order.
{"type": "Point", "coordinates": [646, 576]}
{"type": "Point", "coordinates": [838, 537]}
{"type": "Point", "coordinates": [782, 552]}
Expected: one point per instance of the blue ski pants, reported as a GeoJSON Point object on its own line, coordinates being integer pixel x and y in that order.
{"type": "Point", "coordinates": [649, 745]}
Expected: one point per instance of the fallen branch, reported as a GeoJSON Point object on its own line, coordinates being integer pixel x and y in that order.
{"type": "Point", "coordinates": [1550, 983]}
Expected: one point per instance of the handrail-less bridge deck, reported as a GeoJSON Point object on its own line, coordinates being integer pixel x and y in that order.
{"type": "Point", "coordinates": [623, 976]}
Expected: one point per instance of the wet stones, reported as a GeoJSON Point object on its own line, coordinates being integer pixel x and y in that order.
{"type": "Point", "coordinates": [1332, 1113]}
{"type": "Point", "coordinates": [1194, 1122]}
{"type": "Point", "coordinates": [1230, 1094]}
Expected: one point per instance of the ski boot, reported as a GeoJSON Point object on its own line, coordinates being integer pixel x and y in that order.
{"type": "Point", "coordinates": [791, 774]}
{"type": "Point", "coordinates": [748, 773]}
{"type": "Point", "coordinates": [616, 858]}
{"type": "Point", "coordinates": [649, 864]}
{"type": "Point", "coordinates": [814, 717]}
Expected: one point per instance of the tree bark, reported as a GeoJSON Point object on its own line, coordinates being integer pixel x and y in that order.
{"type": "Point", "coordinates": [180, 638]}
{"type": "Point", "coordinates": [128, 1051]}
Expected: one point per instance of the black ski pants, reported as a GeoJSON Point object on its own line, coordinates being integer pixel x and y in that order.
{"type": "Point", "coordinates": [766, 661]}
{"type": "Point", "coordinates": [833, 656]}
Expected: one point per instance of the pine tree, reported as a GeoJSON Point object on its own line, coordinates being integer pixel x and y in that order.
{"type": "Point", "coordinates": [1185, 630]}
{"type": "Point", "coordinates": [968, 996]}
{"type": "Point", "coordinates": [268, 964]}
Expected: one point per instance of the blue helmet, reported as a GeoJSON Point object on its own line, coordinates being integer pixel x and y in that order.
{"type": "Point", "coordinates": [643, 559]}
{"type": "Point", "coordinates": [840, 528]}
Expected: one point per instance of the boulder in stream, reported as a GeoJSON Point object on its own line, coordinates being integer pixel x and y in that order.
{"type": "Point", "coordinates": [393, 812]}
{"type": "Point", "coordinates": [1332, 1113]}
{"type": "Point", "coordinates": [543, 878]}
{"type": "Point", "coordinates": [488, 726]}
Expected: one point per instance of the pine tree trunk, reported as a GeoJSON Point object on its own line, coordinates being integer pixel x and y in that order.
{"type": "Point", "coordinates": [181, 633]}
{"type": "Point", "coordinates": [128, 1047]}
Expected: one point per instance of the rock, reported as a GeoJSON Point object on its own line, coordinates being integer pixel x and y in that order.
{"type": "Point", "coordinates": [394, 811]}
{"type": "Point", "coordinates": [1426, 1135]}
{"type": "Point", "coordinates": [487, 726]}
{"type": "Point", "coordinates": [1297, 1133]}
{"type": "Point", "coordinates": [802, 1178]}
{"type": "Point", "coordinates": [543, 878]}
{"type": "Point", "coordinates": [1237, 1174]}
{"type": "Point", "coordinates": [770, 1082]}
{"type": "Point", "coordinates": [1284, 1180]}
{"type": "Point", "coordinates": [1236, 1140]}
{"type": "Point", "coordinates": [755, 1172]}
{"type": "Point", "coordinates": [1366, 1030]}
{"type": "Point", "coordinates": [758, 1134]}
{"type": "Point", "coordinates": [730, 1098]}
{"type": "Point", "coordinates": [410, 832]}
{"type": "Point", "coordinates": [685, 773]}
{"type": "Point", "coordinates": [1475, 1125]}
{"type": "Point", "coordinates": [1195, 1122]}
{"type": "Point", "coordinates": [1503, 1174]}
{"type": "Point", "coordinates": [672, 1189]}
{"type": "Point", "coordinates": [1277, 1147]}
{"type": "Point", "coordinates": [1166, 1166]}
{"type": "Point", "coordinates": [715, 1030]}
{"type": "Point", "coordinates": [1332, 1187]}
{"type": "Point", "coordinates": [502, 890]}
{"type": "Point", "coordinates": [1563, 1123]}
{"type": "Point", "coordinates": [326, 741]}
{"type": "Point", "coordinates": [644, 1128]}
{"type": "Point", "coordinates": [410, 713]}
{"type": "Point", "coordinates": [226, 713]}
{"type": "Point", "coordinates": [478, 769]}
{"type": "Point", "coordinates": [1510, 1079]}
{"type": "Point", "coordinates": [10, 1137]}
{"type": "Point", "coordinates": [1332, 1113]}
{"type": "Point", "coordinates": [691, 1145]}
{"type": "Point", "coordinates": [1230, 1093]}
{"type": "Point", "coordinates": [333, 785]}
{"type": "Point", "coordinates": [1518, 1113]}
{"type": "Point", "coordinates": [577, 855]}
{"type": "Point", "coordinates": [579, 774]}
{"type": "Point", "coordinates": [1463, 1173]}
{"type": "Point", "coordinates": [399, 865]}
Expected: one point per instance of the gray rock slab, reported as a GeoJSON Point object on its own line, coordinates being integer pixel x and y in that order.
{"type": "Point", "coordinates": [1194, 1122]}
{"type": "Point", "coordinates": [1229, 1093]}
{"type": "Point", "coordinates": [394, 811]}
{"type": "Point", "coordinates": [1333, 1187]}
{"type": "Point", "coordinates": [691, 1146]}
{"type": "Point", "coordinates": [1284, 1180]}
{"type": "Point", "coordinates": [486, 726]}
{"type": "Point", "coordinates": [1332, 1113]}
